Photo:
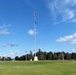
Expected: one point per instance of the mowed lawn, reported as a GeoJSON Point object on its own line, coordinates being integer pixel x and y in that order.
{"type": "Point", "coordinates": [50, 67]}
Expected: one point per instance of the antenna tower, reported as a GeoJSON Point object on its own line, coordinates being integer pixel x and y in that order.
{"type": "Point", "coordinates": [35, 31]}
{"type": "Point", "coordinates": [35, 57]}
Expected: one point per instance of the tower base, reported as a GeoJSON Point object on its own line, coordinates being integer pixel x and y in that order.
{"type": "Point", "coordinates": [35, 58]}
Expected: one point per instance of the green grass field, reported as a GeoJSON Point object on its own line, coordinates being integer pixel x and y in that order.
{"type": "Point", "coordinates": [38, 68]}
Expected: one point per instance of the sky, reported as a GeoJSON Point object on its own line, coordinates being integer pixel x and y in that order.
{"type": "Point", "coordinates": [55, 26]}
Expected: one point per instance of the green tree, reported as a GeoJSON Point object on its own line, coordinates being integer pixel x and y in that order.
{"type": "Point", "coordinates": [59, 55]}
{"type": "Point", "coordinates": [45, 55]}
{"type": "Point", "coordinates": [68, 56]}
{"type": "Point", "coordinates": [8, 59]}
{"type": "Point", "coordinates": [73, 56]}
{"type": "Point", "coordinates": [40, 55]}
{"type": "Point", "coordinates": [3, 58]}
{"type": "Point", "coordinates": [55, 56]}
{"type": "Point", "coordinates": [62, 55]}
{"type": "Point", "coordinates": [31, 55]}
{"type": "Point", "coordinates": [16, 58]}
{"type": "Point", "coordinates": [22, 57]}
{"type": "Point", "coordinates": [50, 56]}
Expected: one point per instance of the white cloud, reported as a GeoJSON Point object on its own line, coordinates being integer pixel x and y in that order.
{"type": "Point", "coordinates": [5, 55]}
{"type": "Point", "coordinates": [73, 41]}
{"type": "Point", "coordinates": [4, 45]}
{"type": "Point", "coordinates": [13, 52]}
{"type": "Point", "coordinates": [17, 51]}
{"type": "Point", "coordinates": [12, 44]}
{"type": "Point", "coordinates": [73, 50]}
{"type": "Point", "coordinates": [4, 29]}
{"type": "Point", "coordinates": [68, 38]}
{"type": "Point", "coordinates": [31, 32]}
{"type": "Point", "coordinates": [65, 10]}
{"type": "Point", "coordinates": [67, 1]}
{"type": "Point", "coordinates": [4, 32]}
{"type": "Point", "coordinates": [68, 15]}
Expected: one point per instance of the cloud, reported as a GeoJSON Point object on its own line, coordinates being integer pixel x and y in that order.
{"type": "Point", "coordinates": [68, 15]}
{"type": "Point", "coordinates": [71, 38]}
{"type": "Point", "coordinates": [5, 55]}
{"type": "Point", "coordinates": [31, 32]}
{"type": "Point", "coordinates": [4, 45]}
{"type": "Point", "coordinates": [13, 52]}
{"type": "Point", "coordinates": [73, 50]}
{"type": "Point", "coordinates": [4, 29]}
{"type": "Point", "coordinates": [63, 11]}
{"type": "Point", "coordinates": [12, 44]}
{"type": "Point", "coordinates": [73, 41]}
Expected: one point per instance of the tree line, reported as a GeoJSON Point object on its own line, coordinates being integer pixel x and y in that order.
{"type": "Point", "coordinates": [48, 56]}
{"type": "Point", "coordinates": [43, 56]}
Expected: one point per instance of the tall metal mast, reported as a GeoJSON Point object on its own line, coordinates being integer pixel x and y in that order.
{"type": "Point", "coordinates": [35, 32]}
